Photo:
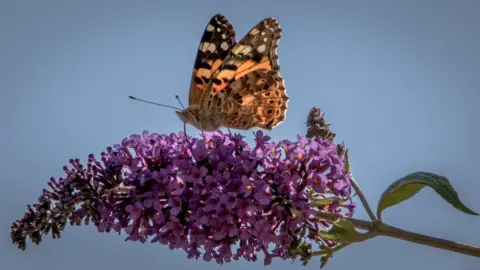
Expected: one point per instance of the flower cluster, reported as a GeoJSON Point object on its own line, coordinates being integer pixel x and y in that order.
{"type": "Point", "coordinates": [204, 196]}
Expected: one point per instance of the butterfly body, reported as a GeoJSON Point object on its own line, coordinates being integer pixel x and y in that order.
{"type": "Point", "coordinates": [236, 85]}
{"type": "Point", "coordinates": [192, 116]}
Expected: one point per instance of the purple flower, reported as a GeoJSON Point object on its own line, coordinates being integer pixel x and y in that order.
{"type": "Point", "coordinates": [196, 174]}
{"type": "Point", "coordinates": [204, 196]}
{"type": "Point", "coordinates": [134, 210]}
{"type": "Point", "coordinates": [317, 181]}
{"type": "Point", "coordinates": [152, 200]}
{"type": "Point", "coordinates": [177, 185]}
{"type": "Point", "coordinates": [229, 200]}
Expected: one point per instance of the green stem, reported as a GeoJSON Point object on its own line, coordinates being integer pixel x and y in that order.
{"type": "Point", "coordinates": [381, 228]}
{"type": "Point", "coordinates": [362, 199]}
{"type": "Point", "coordinates": [357, 189]}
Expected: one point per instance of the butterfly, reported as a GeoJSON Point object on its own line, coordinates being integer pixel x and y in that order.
{"type": "Point", "coordinates": [236, 85]}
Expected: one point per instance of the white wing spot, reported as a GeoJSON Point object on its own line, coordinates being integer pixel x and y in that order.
{"type": "Point", "coordinates": [212, 47]}
{"type": "Point", "coordinates": [247, 50]}
{"type": "Point", "coordinates": [207, 46]}
{"type": "Point", "coordinates": [265, 39]}
{"type": "Point", "coordinates": [224, 36]}
{"type": "Point", "coordinates": [210, 28]}
{"type": "Point", "coordinates": [261, 48]}
{"type": "Point", "coordinates": [224, 46]}
{"type": "Point", "coordinates": [254, 31]}
{"type": "Point", "coordinates": [263, 33]}
{"type": "Point", "coordinates": [242, 49]}
{"type": "Point", "coordinates": [219, 29]}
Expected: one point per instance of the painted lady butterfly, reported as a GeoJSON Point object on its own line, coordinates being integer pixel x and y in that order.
{"type": "Point", "coordinates": [237, 85]}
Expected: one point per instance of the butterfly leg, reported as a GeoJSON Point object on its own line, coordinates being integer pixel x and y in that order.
{"type": "Point", "coordinates": [204, 137]}
{"type": "Point", "coordinates": [185, 131]}
{"type": "Point", "coordinates": [203, 134]}
{"type": "Point", "coordinates": [229, 131]}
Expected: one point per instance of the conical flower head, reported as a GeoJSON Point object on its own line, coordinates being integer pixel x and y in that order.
{"type": "Point", "coordinates": [206, 196]}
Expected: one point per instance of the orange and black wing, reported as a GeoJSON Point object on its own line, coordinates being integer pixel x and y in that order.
{"type": "Point", "coordinates": [256, 51]}
{"type": "Point", "coordinates": [247, 90]}
{"type": "Point", "coordinates": [217, 41]}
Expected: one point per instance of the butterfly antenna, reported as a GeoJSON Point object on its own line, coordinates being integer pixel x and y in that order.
{"type": "Point", "coordinates": [154, 103]}
{"type": "Point", "coordinates": [179, 101]}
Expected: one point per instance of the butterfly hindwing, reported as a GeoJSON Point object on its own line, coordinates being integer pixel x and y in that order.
{"type": "Point", "coordinates": [258, 99]}
{"type": "Point", "coordinates": [215, 44]}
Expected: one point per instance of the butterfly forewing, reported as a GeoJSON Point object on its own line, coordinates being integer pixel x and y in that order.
{"type": "Point", "coordinates": [217, 41]}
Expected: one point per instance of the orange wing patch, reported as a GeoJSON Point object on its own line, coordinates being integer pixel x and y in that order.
{"type": "Point", "coordinates": [203, 75]}
{"type": "Point", "coordinates": [222, 79]}
{"type": "Point", "coordinates": [250, 66]}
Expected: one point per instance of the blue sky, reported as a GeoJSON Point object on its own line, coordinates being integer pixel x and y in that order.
{"type": "Point", "coordinates": [399, 82]}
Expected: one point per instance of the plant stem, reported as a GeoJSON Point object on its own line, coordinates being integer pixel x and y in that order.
{"type": "Point", "coordinates": [381, 228]}
{"type": "Point", "coordinates": [362, 199]}
{"type": "Point", "coordinates": [357, 189]}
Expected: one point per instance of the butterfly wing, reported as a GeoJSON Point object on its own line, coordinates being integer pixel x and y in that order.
{"type": "Point", "coordinates": [247, 90]}
{"type": "Point", "coordinates": [257, 99]}
{"type": "Point", "coordinates": [215, 44]}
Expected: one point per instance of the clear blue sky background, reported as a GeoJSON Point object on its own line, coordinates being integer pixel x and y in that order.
{"type": "Point", "coordinates": [399, 82]}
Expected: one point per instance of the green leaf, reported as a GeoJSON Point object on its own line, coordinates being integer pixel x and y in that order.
{"type": "Point", "coordinates": [343, 231]}
{"type": "Point", "coordinates": [409, 185]}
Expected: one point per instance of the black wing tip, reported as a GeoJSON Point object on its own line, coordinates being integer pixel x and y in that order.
{"type": "Point", "coordinates": [218, 16]}
{"type": "Point", "coordinates": [220, 19]}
